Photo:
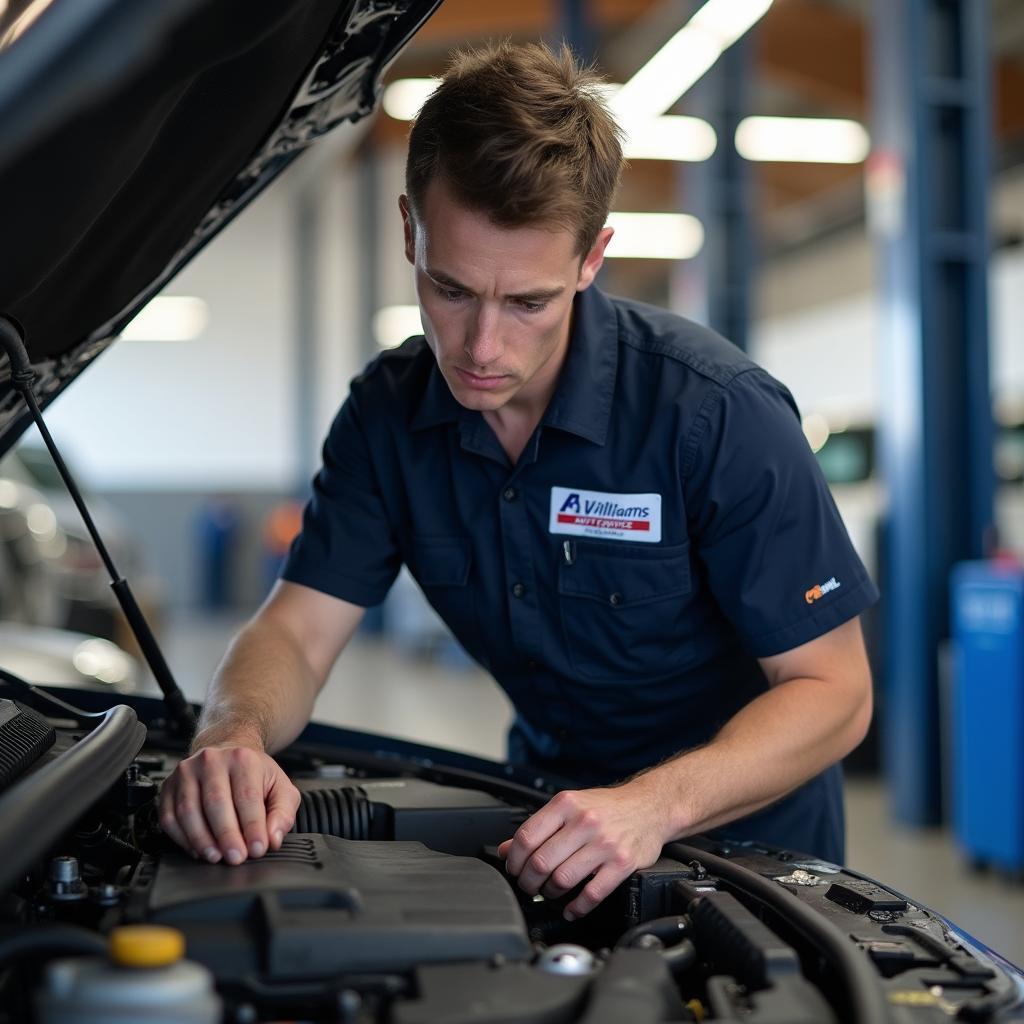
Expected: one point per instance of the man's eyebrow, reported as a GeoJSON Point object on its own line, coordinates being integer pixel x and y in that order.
{"type": "Point", "coordinates": [539, 294]}
{"type": "Point", "coordinates": [536, 295]}
{"type": "Point", "coordinates": [439, 277]}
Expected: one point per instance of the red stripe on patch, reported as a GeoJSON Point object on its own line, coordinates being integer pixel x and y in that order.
{"type": "Point", "coordinates": [604, 523]}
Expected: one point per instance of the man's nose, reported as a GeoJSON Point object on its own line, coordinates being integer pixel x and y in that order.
{"type": "Point", "coordinates": [483, 344]}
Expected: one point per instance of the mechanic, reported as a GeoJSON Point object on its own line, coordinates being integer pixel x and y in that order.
{"type": "Point", "coordinates": [614, 510]}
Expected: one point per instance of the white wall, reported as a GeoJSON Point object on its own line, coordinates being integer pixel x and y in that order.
{"type": "Point", "coordinates": [218, 413]}
{"type": "Point", "coordinates": [210, 413]}
{"type": "Point", "coordinates": [828, 354]}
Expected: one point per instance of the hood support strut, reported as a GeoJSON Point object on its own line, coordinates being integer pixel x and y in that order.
{"type": "Point", "coordinates": [181, 717]}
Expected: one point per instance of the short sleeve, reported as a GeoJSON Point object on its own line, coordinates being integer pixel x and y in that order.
{"type": "Point", "coordinates": [777, 556]}
{"type": "Point", "coordinates": [347, 547]}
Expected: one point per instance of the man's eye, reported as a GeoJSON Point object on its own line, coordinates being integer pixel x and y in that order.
{"type": "Point", "coordinates": [531, 307]}
{"type": "Point", "coordinates": [451, 294]}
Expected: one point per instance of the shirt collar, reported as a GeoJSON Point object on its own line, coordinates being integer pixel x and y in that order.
{"type": "Point", "coordinates": [582, 401]}
{"type": "Point", "coordinates": [437, 405]}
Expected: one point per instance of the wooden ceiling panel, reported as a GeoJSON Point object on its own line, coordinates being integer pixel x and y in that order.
{"type": "Point", "coordinates": [817, 50]}
{"type": "Point", "coordinates": [461, 21]}
{"type": "Point", "coordinates": [1008, 89]}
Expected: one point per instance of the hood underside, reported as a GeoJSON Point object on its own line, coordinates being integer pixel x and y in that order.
{"type": "Point", "coordinates": [131, 134]}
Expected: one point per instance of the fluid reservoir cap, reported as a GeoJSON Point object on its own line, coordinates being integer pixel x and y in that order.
{"type": "Point", "coordinates": [145, 945]}
{"type": "Point", "coordinates": [566, 958]}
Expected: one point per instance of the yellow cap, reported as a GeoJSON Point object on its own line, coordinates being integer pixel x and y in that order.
{"type": "Point", "coordinates": [144, 945]}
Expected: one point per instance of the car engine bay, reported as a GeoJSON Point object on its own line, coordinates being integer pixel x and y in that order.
{"type": "Point", "coordinates": [389, 903]}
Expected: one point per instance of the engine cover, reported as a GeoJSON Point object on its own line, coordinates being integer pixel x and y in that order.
{"type": "Point", "coordinates": [322, 906]}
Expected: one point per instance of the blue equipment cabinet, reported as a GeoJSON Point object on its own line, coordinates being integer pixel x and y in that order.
{"type": "Point", "coordinates": [988, 712]}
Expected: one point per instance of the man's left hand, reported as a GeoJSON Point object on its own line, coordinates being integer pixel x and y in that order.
{"type": "Point", "coordinates": [606, 833]}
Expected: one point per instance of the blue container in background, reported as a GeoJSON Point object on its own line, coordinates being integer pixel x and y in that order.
{"type": "Point", "coordinates": [988, 712]}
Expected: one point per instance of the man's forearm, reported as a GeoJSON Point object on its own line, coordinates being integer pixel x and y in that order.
{"type": "Point", "coordinates": [262, 694]}
{"type": "Point", "coordinates": [772, 745]}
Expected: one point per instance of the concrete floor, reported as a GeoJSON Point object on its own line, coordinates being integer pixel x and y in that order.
{"type": "Point", "coordinates": [376, 689]}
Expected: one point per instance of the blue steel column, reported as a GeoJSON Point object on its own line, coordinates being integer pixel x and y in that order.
{"type": "Point", "coordinates": [928, 181]}
{"type": "Point", "coordinates": [716, 285]}
{"type": "Point", "coordinates": [575, 28]}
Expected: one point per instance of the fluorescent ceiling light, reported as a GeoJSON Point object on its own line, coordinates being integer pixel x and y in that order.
{"type": "Point", "coordinates": [727, 20]}
{"type": "Point", "coordinates": [403, 98]}
{"type": "Point", "coordinates": [821, 140]}
{"type": "Point", "coordinates": [685, 58]}
{"type": "Point", "coordinates": [22, 22]}
{"type": "Point", "coordinates": [670, 138]}
{"type": "Point", "coordinates": [393, 324]}
{"type": "Point", "coordinates": [655, 236]}
{"type": "Point", "coordinates": [663, 138]}
{"type": "Point", "coordinates": [169, 318]}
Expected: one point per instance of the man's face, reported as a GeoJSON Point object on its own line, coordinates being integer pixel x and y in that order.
{"type": "Point", "coordinates": [496, 302]}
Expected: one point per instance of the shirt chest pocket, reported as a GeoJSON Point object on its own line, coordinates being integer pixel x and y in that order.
{"type": "Point", "coordinates": [623, 610]}
{"type": "Point", "coordinates": [441, 566]}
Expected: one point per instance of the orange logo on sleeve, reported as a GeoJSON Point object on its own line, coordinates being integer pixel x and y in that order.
{"type": "Point", "coordinates": [818, 592]}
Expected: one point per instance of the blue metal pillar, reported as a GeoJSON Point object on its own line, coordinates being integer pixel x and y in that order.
{"type": "Point", "coordinates": [716, 286]}
{"type": "Point", "coordinates": [928, 180]}
{"type": "Point", "coordinates": [576, 29]}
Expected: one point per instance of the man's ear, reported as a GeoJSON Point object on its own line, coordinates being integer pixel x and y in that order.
{"type": "Point", "coordinates": [409, 227]}
{"type": "Point", "coordinates": [594, 259]}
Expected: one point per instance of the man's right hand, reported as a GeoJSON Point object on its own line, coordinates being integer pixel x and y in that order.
{"type": "Point", "coordinates": [228, 802]}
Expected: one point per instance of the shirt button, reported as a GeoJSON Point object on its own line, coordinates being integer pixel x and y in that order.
{"type": "Point", "coordinates": [532, 665]}
{"type": "Point", "coordinates": [518, 590]}
{"type": "Point", "coordinates": [510, 494]}
{"type": "Point", "coordinates": [615, 599]}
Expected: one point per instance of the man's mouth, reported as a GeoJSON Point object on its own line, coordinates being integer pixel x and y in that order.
{"type": "Point", "coordinates": [485, 382]}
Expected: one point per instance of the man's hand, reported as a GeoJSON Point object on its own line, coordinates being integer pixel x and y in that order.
{"type": "Point", "coordinates": [607, 833]}
{"type": "Point", "coordinates": [228, 802]}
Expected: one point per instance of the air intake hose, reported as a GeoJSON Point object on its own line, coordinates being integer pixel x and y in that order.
{"type": "Point", "coordinates": [344, 812]}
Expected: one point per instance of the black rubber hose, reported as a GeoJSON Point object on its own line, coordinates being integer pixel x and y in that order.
{"type": "Point", "coordinates": [678, 952]}
{"type": "Point", "coordinates": [669, 929]}
{"type": "Point", "coordinates": [50, 940]}
{"type": "Point", "coordinates": [681, 956]}
{"type": "Point", "coordinates": [36, 810]}
{"type": "Point", "coordinates": [865, 997]}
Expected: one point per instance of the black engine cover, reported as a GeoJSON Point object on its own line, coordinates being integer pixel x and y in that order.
{"type": "Point", "coordinates": [322, 906]}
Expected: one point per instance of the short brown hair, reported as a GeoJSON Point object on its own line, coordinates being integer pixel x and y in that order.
{"type": "Point", "coordinates": [522, 134]}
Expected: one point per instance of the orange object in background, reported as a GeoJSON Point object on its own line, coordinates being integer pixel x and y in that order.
{"type": "Point", "coordinates": [281, 527]}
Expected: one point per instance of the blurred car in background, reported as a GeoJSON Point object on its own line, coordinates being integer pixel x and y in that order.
{"type": "Point", "coordinates": [58, 657]}
{"type": "Point", "coordinates": [50, 572]}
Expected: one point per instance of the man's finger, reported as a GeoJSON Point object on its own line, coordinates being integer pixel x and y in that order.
{"type": "Point", "coordinates": [548, 858]}
{"type": "Point", "coordinates": [219, 809]}
{"type": "Point", "coordinates": [187, 806]}
{"type": "Point", "coordinates": [607, 879]}
{"type": "Point", "coordinates": [537, 829]}
{"type": "Point", "coordinates": [169, 824]}
{"type": "Point", "coordinates": [570, 873]}
{"type": "Point", "coordinates": [282, 805]}
{"type": "Point", "coordinates": [247, 792]}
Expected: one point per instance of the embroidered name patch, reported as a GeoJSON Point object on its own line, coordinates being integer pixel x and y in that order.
{"type": "Point", "coordinates": [635, 517]}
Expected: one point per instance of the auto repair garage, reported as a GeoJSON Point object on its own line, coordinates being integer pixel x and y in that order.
{"type": "Point", "coordinates": [554, 511]}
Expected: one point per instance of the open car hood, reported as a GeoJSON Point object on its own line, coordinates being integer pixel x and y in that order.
{"type": "Point", "coordinates": [132, 133]}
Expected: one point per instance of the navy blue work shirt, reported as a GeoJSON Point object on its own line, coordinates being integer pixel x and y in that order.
{"type": "Point", "coordinates": [666, 525]}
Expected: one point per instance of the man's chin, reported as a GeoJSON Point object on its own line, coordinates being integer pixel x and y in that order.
{"type": "Point", "coordinates": [485, 401]}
